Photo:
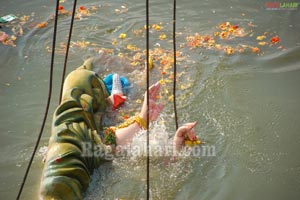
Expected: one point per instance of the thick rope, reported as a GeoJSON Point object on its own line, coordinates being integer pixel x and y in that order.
{"type": "Point", "coordinates": [175, 67]}
{"type": "Point", "coordinates": [48, 103]}
{"type": "Point", "coordinates": [148, 68]}
{"type": "Point", "coordinates": [67, 51]}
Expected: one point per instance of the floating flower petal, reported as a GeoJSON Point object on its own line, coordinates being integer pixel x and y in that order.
{"type": "Point", "coordinates": [42, 25]}
{"type": "Point", "coordinates": [255, 49]}
{"type": "Point", "coordinates": [261, 37]}
{"type": "Point", "coordinates": [122, 36]}
{"type": "Point", "coordinates": [275, 39]}
{"type": "Point", "coordinates": [262, 43]}
{"type": "Point", "coordinates": [162, 36]}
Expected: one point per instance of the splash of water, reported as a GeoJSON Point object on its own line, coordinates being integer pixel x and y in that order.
{"type": "Point", "coordinates": [125, 177]}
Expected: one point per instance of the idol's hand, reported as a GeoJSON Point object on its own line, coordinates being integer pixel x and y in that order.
{"type": "Point", "coordinates": [154, 108]}
{"type": "Point", "coordinates": [183, 132]}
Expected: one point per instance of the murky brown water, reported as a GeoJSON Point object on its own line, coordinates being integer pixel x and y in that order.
{"type": "Point", "coordinates": [247, 105]}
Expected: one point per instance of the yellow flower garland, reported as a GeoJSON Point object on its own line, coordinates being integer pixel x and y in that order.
{"type": "Point", "coordinates": [136, 119]}
{"type": "Point", "coordinates": [110, 133]}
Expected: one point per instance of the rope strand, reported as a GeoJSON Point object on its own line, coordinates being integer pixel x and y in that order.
{"type": "Point", "coordinates": [175, 67]}
{"type": "Point", "coordinates": [147, 57]}
{"type": "Point", "coordinates": [47, 106]}
{"type": "Point", "coordinates": [67, 51]}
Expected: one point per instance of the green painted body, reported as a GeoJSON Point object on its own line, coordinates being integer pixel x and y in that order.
{"type": "Point", "coordinates": [67, 169]}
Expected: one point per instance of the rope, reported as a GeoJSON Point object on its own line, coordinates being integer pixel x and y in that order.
{"type": "Point", "coordinates": [64, 74]}
{"type": "Point", "coordinates": [174, 83]}
{"type": "Point", "coordinates": [175, 67]}
{"type": "Point", "coordinates": [48, 102]}
{"type": "Point", "coordinates": [67, 51]}
{"type": "Point", "coordinates": [148, 68]}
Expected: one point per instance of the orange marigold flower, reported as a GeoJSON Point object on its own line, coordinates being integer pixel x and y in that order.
{"type": "Point", "coordinates": [206, 38]}
{"type": "Point", "coordinates": [216, 33]}
{"type": "Point", "coordinates": [164, 61]}
{"type": "Point", "coordinates": [126, 117]}
{"type": "Point", "coordinates": [3, 36]}
{"type": "Point", "coordinates": [224, 25]}
{"type": "Point", "coordinates": [82, 8]}
{"type": "Point", "coordinates": [229, 50]}
{"type": "Point", "coordinates": [275, 39]}
{"type": "Point", "coordinates": [42, 25]}
{"type": "Point", "coordinates": [224, 35]}
{"type": "Point", "coordinates": [235, 27]}
{"type": "Point", "coordinates": [255, 49]}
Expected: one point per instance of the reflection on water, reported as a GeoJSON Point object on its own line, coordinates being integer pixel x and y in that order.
{"type": "Point", "coordinates": [247, 105]}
